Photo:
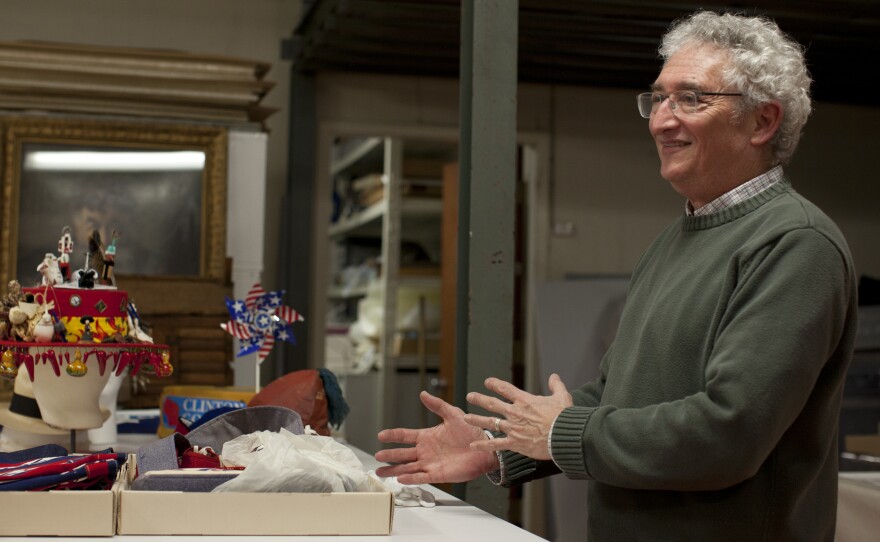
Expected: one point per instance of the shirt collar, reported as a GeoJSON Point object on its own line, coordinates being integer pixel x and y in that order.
{"type": "Point", "coordinates": [739, 194]}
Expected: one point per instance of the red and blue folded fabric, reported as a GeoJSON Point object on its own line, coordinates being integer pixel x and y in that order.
{"type": "Point", "coordinates": [42, 468]}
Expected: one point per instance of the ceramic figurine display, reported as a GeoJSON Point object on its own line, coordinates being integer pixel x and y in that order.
{"type": "Point", "coordinates": [75, 325]}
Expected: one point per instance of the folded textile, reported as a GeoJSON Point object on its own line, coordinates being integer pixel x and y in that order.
{"type": "Point", "coordinates": [200, 458]}
{"type": "Point", "coordinates": [171, 464]}
{"type": "Point", "coordinates": [163, 454]}
{"type": "Point", "coordinates": [185, 426]}
{"type": "Point", "coordinates": [45, 450]}
{"type": "Point", "coordinates": [61, 472]}
{"type": "Point", "coordinates": [188, 480]}
{"type": "Point", "coordinates": [220, 430]}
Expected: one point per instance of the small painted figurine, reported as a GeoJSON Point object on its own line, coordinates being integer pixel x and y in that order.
{"type": "Point", "coordinates": [136, 325]}
{"type": "Point", "coordinates": [109, 261]}
{"type": "Point", "coordinates": [8, 366]}
{"type": "Point", "coordinates": [65, 247]}
{"type": "Point", "coordinates": [50, 270]}
{"type": "Point", "coordinates": [44, 331]}
{"type": "Point", "coordinates": [19, 321]}
{"type": "Point", "coordinates": [87, 329]}
{"type": "Point", "coordinates": [13, 294]}
{"type": "Point", "coordinates": [77, 367]}
{"type": "Point", "coordinates": [96, 253]}
{"type": "Point", "coordinates": [85, 277]}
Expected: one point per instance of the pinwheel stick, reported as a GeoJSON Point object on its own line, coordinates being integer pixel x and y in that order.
{"type": "Point", "coordinates": [257, 363]}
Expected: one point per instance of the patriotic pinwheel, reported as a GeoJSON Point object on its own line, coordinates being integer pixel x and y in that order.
{"type": "Point", "coordinates": [260, 320]}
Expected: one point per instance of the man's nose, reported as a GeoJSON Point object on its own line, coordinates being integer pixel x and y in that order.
{"type": "Point", "coordinates": [664, 114]}
{"type": "Point", "coordinates": [670, 104]}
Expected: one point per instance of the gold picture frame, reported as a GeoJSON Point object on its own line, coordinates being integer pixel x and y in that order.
{"type": "Point", "coordinates": [20, 135]}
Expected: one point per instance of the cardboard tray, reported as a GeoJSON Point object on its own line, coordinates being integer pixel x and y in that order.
{"type": "Point", "coordinates": [59, 513]}
{"type": "Point", "coordinates": [178, 513]}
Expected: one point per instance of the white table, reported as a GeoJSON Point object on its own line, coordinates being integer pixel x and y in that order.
{"type": "Point", "coordinates": [858, 506]}
{"type": "Point", "coordinates": [450, 519]}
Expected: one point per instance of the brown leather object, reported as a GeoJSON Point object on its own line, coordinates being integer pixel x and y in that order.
{"type": "Point", "coordinates": [301, 391]}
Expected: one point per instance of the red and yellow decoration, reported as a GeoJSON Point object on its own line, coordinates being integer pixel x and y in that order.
{"type": "Point", "coordinates": [106, 307]}
{"type": "Point", "coordinates": [74, 358]}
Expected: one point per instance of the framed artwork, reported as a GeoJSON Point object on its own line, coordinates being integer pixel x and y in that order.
{"type": "Point", "coordinates": [156, 191]}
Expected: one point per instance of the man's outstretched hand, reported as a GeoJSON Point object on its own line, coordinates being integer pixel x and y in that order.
{"type": "Point", "coordinates": [525, 419]}
{"type": "Point", "coordinates": [438, 454]}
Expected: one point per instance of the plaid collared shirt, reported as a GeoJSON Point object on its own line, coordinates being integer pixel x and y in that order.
{"type": "Point", "coordinates": [739, 194]}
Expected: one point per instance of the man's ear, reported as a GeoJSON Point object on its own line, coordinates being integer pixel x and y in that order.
{"type": "Point", "coordinates": [767, 117]}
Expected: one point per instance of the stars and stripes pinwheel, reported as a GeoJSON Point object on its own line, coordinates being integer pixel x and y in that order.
{"type": "Point", "coordinates": [260, 320]}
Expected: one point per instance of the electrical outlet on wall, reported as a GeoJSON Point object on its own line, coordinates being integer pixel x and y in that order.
{"type": "Point", "coordinates": [563, 228]}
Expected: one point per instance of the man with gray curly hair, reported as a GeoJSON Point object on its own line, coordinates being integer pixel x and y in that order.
{"type": "Point", "coordinates": [715, 416]}
{"type": "Point", "coordinates": [764, 65]}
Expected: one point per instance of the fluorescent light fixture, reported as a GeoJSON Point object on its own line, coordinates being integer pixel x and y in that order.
{"type": "Point", "coordinates": [114, 161]}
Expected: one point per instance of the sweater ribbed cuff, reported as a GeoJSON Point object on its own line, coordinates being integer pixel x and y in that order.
{"type": "Point", "coordinates": [497, 477]}
{"type": "Point", "coordinates": [516, 468]}
{"type": "Point", "coordinates": [523, 466]}
{"type": "Point", "coordinates": [567, 441]}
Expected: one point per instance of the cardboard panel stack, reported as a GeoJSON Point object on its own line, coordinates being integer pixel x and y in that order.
{"type": "Point", "coordinates": [68, 78]}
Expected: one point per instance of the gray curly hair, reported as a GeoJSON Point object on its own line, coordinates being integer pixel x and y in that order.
{"type": "Point", "coordinates": [765, 65]}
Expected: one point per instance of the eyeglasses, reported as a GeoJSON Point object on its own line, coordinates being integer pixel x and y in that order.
{"type": "Point", "coordinates": [687, 100]}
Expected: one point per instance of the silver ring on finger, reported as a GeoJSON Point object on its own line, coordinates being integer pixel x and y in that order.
{"type": "Point", "coordinates": [498, 425]}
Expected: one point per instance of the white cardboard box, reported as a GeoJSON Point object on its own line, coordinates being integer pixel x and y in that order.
{"type": "Point", "coordinates": [58, 513]}
{"type": "Point", "coordinates": [178, 513]}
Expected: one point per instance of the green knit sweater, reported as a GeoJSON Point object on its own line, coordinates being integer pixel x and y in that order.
{"type": "Point", "coordinates": [716, 413]}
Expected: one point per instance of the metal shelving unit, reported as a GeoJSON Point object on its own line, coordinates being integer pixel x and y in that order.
{"type": "Point", "coordinates": [381, 228]}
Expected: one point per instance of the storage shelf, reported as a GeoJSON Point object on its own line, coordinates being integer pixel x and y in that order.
{"type": "Point", "coordinates": [341, 292]}
{"type": "Point", "coordinates": [409, 207]}
{"type": "Point", "coordinates": [358, 220]}
{"type": "Point", "coordinates": [419, 281]}
{"type": "Point", "coordinates": [421, 206]}
{"type": "Point", "coordinates": [407, 217]}
{"type": "Point", "coordinates": [356, 154]}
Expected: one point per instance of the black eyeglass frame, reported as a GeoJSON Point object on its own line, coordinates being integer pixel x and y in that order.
{"type": "Point", "coordinates": [674, 104]}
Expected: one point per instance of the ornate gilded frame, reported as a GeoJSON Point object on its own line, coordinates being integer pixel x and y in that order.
{"type": "Point", "coordinates": [16, 131]}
